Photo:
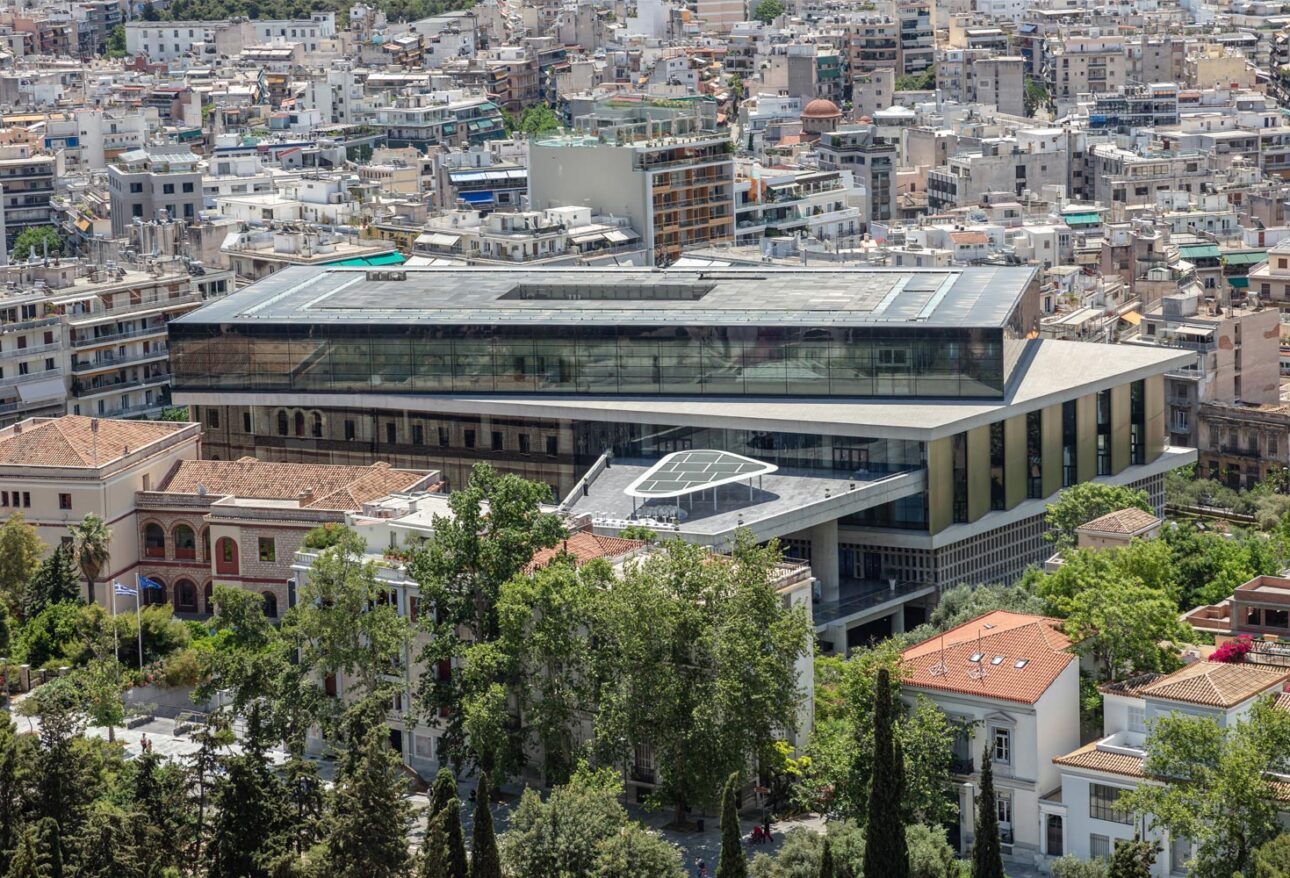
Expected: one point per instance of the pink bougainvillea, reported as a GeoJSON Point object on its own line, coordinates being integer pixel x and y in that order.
{"type": "Point", "coordinates": [1233, 651]}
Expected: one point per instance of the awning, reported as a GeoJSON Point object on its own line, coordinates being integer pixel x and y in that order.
{"type": "Point", "coordinates": [1131, 317]}
{"type": "Point", "coordinates": [1195, 331]}
{"type": "Point", "coordinates": [48, 388]}
{"type": "Point", "coordinates": [1245, 258]}
{"type": "Point", "coordinates": [1081, 219]}
{"type": "Point", "coordinates": [363, 261]}
{"type": "Point", "coordinates": [1201, 251]}
{"type": "Point", "coordinates": [1238, 283]}
{"type": "Point", "coordinates": [476, 197]}
{"type": "Point", "coordinates": [617, 237]}
{"type": "Point", "coordinates": [438, 239]}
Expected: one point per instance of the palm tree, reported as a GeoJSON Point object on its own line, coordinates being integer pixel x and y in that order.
{"type": "Point", "coordinates": [90, 540]}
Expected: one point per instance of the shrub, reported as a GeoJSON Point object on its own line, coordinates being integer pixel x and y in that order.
{"type": "Point", "coordinates": [1069, 867]}
{"type": "Point", "coordinates": [183, 668]}
{"type": "Point", "coordinates": [1233, 651]}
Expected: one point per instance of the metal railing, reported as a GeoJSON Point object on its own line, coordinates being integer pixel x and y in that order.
{"type": "Point", "coordinates": [111, 362]}
{"type": "Point", "coordinates": [117, 336]}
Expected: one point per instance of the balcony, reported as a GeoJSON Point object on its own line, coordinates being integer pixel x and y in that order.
{"type": "Point", "coordinates": [11, 380]}
{"type": "Point", "coordinates": [860, 596]}
{"type": "Point", "coordinates": [112, 362]}
{"type": "Point", "coordinates": [82, 391]}
{"type": "Point", "coordinates": [111, 337]}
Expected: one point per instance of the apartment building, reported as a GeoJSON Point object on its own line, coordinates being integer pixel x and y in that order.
{"type": "Point", "coordinates": [144, 182]}
{"type": "Point", "coordinates": [1135, 106]}
{"type": "Point", "coordinates": [666, 168]}
{"type": "Point", "coordinates": [558, 235]}
{"type": "Point", "coordinates": [26, 185]}
{"type": "Point", "coordinates": [824, 204]}
{"type": "Point", "coordinates": [90, 137]}
{"type": "Point", "coordinates": [88, 339]}
{"type": "Point", "coordinates": [1118, 176]}
{"type": "Point", "coordinates": [452, 119]}
{"type": "Point", "coordinates": [1086, 65]}
{"type": "Point", "coordinates": [1032, 158]}
{"type": "Point", "coordinates": [870, 159]}
{"type": "Point", "coordinates": [979, 76]}
{"type": "Point", "coordinates": [1239, 444]}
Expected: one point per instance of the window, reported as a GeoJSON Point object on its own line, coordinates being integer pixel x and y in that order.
{"type": "Point", "coordinates": [1137, 720]}
{"type": "Point", "coordinates": [185, 596]}
{"type": "Point", "coordinates": [64, 501]}
{"type": "Point", "coordinates": [282, 423]}
{"type": "Point", "coordinates": [470, 438]}
{"type": "Point", "coordinates": [443, 437]}
{"type": "Point", "coordinates": [1103, 404]}
{"type": "Point", "coordinates": [185, 542]}
{"type": "Point", "coordinates": [154, 541]}
{"type": "Point", "coordinates": [1003, 807]}
{"type": "Point", "coordinates": [418, 435]}
{"type": "Point", "coordinates": [317, 425]}
{"type": "Point", "coordinates": [1034, 456]}
{"type": "Point", "coordinates": [212, 416]}
{"type": "Point", "coordinates": [414, 608]}
{"type": "Point", "coordinates": [391, 432]}
{"type": "Point", "coordinates": [188, 188]}
{"type": "Point", "coordinates": [136, 188]}
{"type": "Point", "coordinates": [1003, 746]}
{"type": "Point", "coordinates": [998, 495]}
{"type": "Point", "coordinates": [268, 552]}
{"type": "Point", "coordinates": [226, 555]}
{"type": "Point", "coordinates": [1099, 847]}
{"type": "Point", "coordinates": [524, 443]}
{"type": "Point", "coordinates": [1138, 423]}
{"type": "Point", "coordinates": [497, 440]}
{"type": "Point", "coordinates": [1102, 804]}
{"type": "Point", "coordinates": [958, 456]}
{"type": "Point", "coordinates": [1179, 854]}
{"type": "Point", "coordinates": [270, 604]}
{"type": "Point", "coordinates": [349, 429]}
{"type": "Point", "coordinates": [167, 188]}
{"type": "Point", "coordinates": [1068, 443]}
{"type": "Point", "coordinates": [299, 421]}
{"type": "Point", "coordinates": [246, 422]}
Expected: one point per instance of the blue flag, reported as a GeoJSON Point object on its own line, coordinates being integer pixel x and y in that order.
{"type": "Point", "coordinates": [145, 582]}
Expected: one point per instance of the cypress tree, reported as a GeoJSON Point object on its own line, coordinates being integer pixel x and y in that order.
{"type": "Point", "coordinates": [436, 858]}
{"type": "Point", "coordinates": [13, 780]}
{"type": "Point", "coordinates": [56, 580]}
{"type": "Point", "coordinates": [51, 845]}
{"type": "Point", "coordinates": [250, 809]}
{"type": "Point", "coordinates": [442, 791]}
{"type": "Point", "coordinates": [108, 846]}
{"type": "Point", "coordinates": [826, 861]}
{"type": "Point", "coordinates": [456, 839]}
{"type": "Point", "coordinates": [28, 859]}
{"type": "Point", "coordinates": [987, 859]}
{"type": "Point", "coordinates": [886, 854]}
{"type": "Point", "coordinates": [367, 831]}
{"type": "Point", "coordinates": [485, 862]}
{"type": "Point", "coordinates": [731, 863]}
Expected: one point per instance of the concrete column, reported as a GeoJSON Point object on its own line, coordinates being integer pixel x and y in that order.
{"type": "Point", "coordinates": [824, 558]}
{"type": "Point", "coordinates": [898, 621]}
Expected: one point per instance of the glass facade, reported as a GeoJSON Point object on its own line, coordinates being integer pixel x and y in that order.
{"type": "Point", "coordinates": [998, 496]}
{"type": "Point", "coordinates": [1137, 422]}
{"type": "Point", "coordinates": [1069, 437]}
{"type": "Point", "coordinates": [1034, 455]}
{"type": "Point", "coordinates": [958, 470]}
{"type": "Point", "coordinates": [1103, 403]}
{"type": "Point", "coordinates": [711, 360]}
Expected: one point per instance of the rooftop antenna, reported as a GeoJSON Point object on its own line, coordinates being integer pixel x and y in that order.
{"type": "Point", "coordinates": [979, 672]}
{"type": "Point", "coordinates": [94, 440]}
{"type": "Point", "coordinates": [940, 669]}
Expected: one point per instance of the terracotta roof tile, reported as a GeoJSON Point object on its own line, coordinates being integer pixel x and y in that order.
{"type": "Point", "coordinates": [71, 440]}
{"type": "Point", "coordinates": [1132, 687]}
{"type": "Point", "coordinates": [584, 546]}
{"type": "Point", "coordinates": [1012, 636]}
{"type": "Point", "coordinates": [1216, 684]}
{"type": "Point", "coordinates": [334, 487]}
{"type": "Point", "coordinates": [1122, 521]}
{"type": "Point", "coordinates": [1090, 757]}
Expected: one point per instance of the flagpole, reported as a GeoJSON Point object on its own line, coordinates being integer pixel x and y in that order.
{"type": "Point", "coordinates": [138, 618]}
{"type": "Point", "coordinates": [116, 641]}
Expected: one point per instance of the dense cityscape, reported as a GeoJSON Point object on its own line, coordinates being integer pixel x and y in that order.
{"type": "Point", "coordinates": [645, 439]}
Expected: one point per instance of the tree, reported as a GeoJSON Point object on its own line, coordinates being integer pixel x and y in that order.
{"type": "Point", "coordinates": [435, 860]}
{"type": "Point", "coordinates": [930, 854]}
{"type": "Point", "coordinates": [1081, 503]}
{"type": "Point", "coordinates": [20, 554]}
{"type": "Point", "coordinates": [305, 801]}
{"type": "Point", "coordinates": [101, 693]}
{"type": "Point", "coordinates": [1216, 789]}
{"type": "Point", "coordinates": [987, 858]}
{"type": "Point", "coordinates": [732, 863]}
{"type": "Point", "coordinates": [367, 827]}
{"type": "Point", "coordinates": [826, 862]}
{"type": "Point", "coordinates": [28, 860]}
{"type": "Point", "coordinates": [212, 738]}
{"type": "Point", "coordinates": [13, 787]}
{"type": "Point", "coordinates": [496, 526]}
{"type": "Point", "coordinates": [485, 860]}
{"type": "Point", "coordinates": [91, 542]}
{"type": "Point", "coordinates": [448, 823]}
{"type": "Point", "coordinates": [343, 622]}
{"type": "Point", "coordinates": [1120, 624]}
{"type": "Point", "coordinates": [885, 853]}
{"type": "Point", "coordinates": [582, 829]}
{"type": "Point", "coordinates": [161, 816]}
{"type": "Point", "coordinates": [108, 845]}
{"type": "Point", "coordinates": [538, 121]}
{"type": "Point", "coordinates": [55, 581]}
{"type": "Point", "coordinates": [1272, 859]}
{"type": "Point", "coordinates": [1133, 859]}
{"type": "Point", "coordinates": [50, 840]}
{"type": "Point", "coordinates": [116, 43]}
{"type": "Point", "coordinates": [711, 680]}
{"type": "Point", "coordinates": [250, 809]}
{"type": "Point", "coordinates": [766, 11]}
{"type": "Point", "coordinates": [38, 241]}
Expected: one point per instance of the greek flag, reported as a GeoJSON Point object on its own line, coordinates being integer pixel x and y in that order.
{"type": "Point", "coordinates": [145, 582]}
{"type": "Point", "coordinates": [123, 590]}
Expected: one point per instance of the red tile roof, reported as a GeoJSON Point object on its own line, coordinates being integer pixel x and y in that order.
{"type": "Point", "coordinates": [1216, 684]}
{"type": "Point", "coordinates": [333, 487]}
{"type": "Point", "coordinates": [1036, 642]}
{"type": "Point", "coordinates": [73, 441]}
{"type": "Point", "coordinates": [1122, 521]}
{"type": "Point", "coordinates": [584, 546]}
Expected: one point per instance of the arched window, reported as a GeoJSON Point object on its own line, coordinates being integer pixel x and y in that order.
{"type": "Point", "coordinates": [317, 425]}
{"type": "Point", "coordinates": [300, 423]}
{"type": "Point", "coordinates": [270, 604]}
{"type": "Point", "coordinates": [154, 541]}
{"type": "Point", "coordinates": [226, 555]}
{"type": "Point", "coordinates": [152, 596]}
{"type": "Point", "coordinates": [185, 596]}
{"type": "Point", "coordinates": [282, 422]}
{"type": "Point", "coordinates": [185, 542]}
{"type": "Point", "coordinates": [208, 598]}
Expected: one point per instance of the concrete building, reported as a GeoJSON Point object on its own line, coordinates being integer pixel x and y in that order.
{"type": "Point", "coordinates": [938, 432]}
{"type": "Point", "coordinates": [26, 185]}
{"type": "Point", "coordinates": [669, 171]}
{"type": "Point", "coordinates": [144, 182]}
{"type": "Point", "coordinates": [871, 161]}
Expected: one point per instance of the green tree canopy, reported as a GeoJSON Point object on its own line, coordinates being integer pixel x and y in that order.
{"type": "Point", "coordinates": [1081, 503]}
{"type": "Point", "coordinates": [766, 11]}
{"type": "Point", "coordinates": [20, 552]}
{"type": "Point", "coordinates": [37, 241]}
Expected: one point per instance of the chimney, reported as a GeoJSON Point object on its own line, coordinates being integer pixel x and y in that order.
{"type": "Point", "coordinates": [306, 496]}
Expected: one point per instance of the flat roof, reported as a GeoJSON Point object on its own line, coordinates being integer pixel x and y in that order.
{"type": "Point", "coordinates": [687, 472]}
{"type": "Point", "coordinates": [950, 298]}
